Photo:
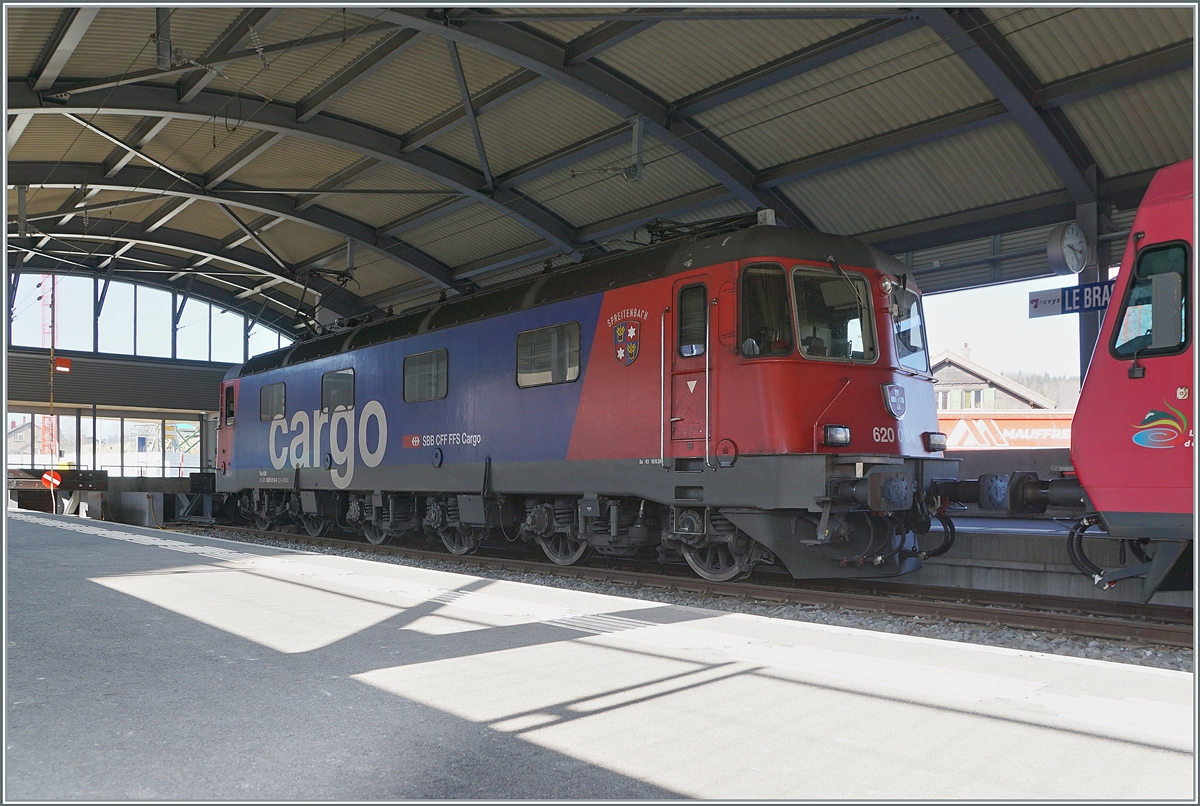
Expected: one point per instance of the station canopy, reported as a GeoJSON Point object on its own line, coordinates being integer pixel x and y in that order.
{"type": "Point", "coordinates": [304, 161]}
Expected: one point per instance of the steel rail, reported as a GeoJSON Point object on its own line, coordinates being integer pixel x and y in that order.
{"type": "Point", "coordinates": [1161, 625]}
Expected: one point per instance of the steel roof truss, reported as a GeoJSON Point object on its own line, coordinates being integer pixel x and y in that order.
{"type": "Point", "coordinates": [503, 90]}
{"type": "Point", "coordinates": [469, 111]}
{"type": "Point", "coordinates": [145, 131]}
{"type": "Point", "coordinates": [1004, 87]}
{"type": "Point", "coordinates": [372, 60]}
{"type": "Point", "coordinates": [240, 158]}
{"type": "Point", "coordinates": [92, 127]}
{"type": "Point", "coordinates": [71, 26]}
{"type": "Point", "coordinates": [240, 32]}
{"type": "Point", "coordinates": [15, 130]}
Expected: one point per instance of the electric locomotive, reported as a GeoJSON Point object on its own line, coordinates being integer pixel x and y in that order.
{"type": "Point", "coordinates": [737, 395]}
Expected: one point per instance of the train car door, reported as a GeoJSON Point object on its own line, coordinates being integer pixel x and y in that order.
{"type": "Point", "coordinates": [692, 381]}
{"type": "Point", "coordinates": [225, 422]}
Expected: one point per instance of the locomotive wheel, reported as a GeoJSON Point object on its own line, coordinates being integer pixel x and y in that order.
{"type": "Point", "coordinates": [262, 523]}
{"type": "Point", "coordinates": [716, 562]}
{"type": "Point", "coordinates": [314, 526]}
{"type": "Point", "coordinates": [375, 535]}
{"type": "Point", "coordinates": [562, 549]}
{"type": "Point", "coordinates": [460, 541]}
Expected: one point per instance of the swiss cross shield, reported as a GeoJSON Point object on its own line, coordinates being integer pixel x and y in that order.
{"type": "Point", "coordinates": [893, 399]}
{"type": "Point", "coordinates": [625, 342]}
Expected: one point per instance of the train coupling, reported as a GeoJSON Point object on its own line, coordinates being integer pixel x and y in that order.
{"type": "Point", "coordinates": [1018, 493]}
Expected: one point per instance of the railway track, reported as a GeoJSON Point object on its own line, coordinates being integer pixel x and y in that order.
{"type": "Point", "coordinates": [1122, 621]}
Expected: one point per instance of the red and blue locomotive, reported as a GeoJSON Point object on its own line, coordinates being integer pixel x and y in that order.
{"type": "Point", "coordinates": [737, 395]}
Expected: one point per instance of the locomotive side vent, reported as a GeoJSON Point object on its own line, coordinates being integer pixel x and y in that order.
{"type": "Point", "coordinates": [689, 493]}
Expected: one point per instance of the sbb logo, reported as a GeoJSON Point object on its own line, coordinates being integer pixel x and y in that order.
{"type": "Point", "coordinates": [412, 440]}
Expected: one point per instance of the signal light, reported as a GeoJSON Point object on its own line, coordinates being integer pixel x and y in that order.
{"type": "Point", "coordinates": [935, 441]}
{"type": "Point", "coordinates": [837, 436]}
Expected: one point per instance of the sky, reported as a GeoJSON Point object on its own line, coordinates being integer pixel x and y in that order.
{"type": "Point", "coordinates": [995, 323]}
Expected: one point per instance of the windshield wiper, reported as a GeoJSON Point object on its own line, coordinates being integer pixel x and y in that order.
{"type": "Point", "coordinates": [862, 306]}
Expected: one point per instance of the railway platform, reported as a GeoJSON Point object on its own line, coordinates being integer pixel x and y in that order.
{"type": "Point", "coordinates": [145, 664]}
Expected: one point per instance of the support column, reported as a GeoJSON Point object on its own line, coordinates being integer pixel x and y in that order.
{"type": "Point", "coordinates": [1086, 216]}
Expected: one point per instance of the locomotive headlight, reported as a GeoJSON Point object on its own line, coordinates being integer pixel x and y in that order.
{"type": "Point", "coordinates": [837, 435]}
{"type": "Point", "coordinates": [935, 441]}
{"type": "Point", "coordinates": [885, 284]}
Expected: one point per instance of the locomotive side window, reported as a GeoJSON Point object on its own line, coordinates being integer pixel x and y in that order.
{"type": "Point", "coordinates": [229, 405]}
{"type": "Point", "coordinates": [1159, 280]}
{"type": "Point", "coordinates": [766, 317]}
{"type": "Point", "coordinates": [833, 315]}
{"type": "Point", "coordinates": [548, 355]}
{"type": "Point", "coordinates": [271, 402]}
{"type": "Point", "coordinates": [337, 390]}
{"type": "Point", "coordinates": [425, 376]}
{"type": "Point", "coordinates": [910, 330]}
{"type": "Point", "coordinates": [693, 320]}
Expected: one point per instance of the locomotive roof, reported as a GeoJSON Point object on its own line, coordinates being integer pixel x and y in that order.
{"type": "Point", "coordinates": [678, 255]}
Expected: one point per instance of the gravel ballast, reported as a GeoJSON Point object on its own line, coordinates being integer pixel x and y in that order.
{"type": "Point", "coordinates": [1142, 654]}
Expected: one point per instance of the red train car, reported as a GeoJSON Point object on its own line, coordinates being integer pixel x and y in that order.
{"type": "Point", "coordinates": [1132, 437]}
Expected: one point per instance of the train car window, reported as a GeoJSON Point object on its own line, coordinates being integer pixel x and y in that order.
{"type": "Point", "coordinates": [833, 315]}
{"type": "Point", "coordinates": [693, 320]}
{"type": "Point", "coordinates": [337, 390]}
{"type": "Point", "coordinates": [425, 376]}
{"type": "Point", "coordinates": [271, 402]}
{"type": "Point", "coordinates": [909, 328]}
{"type": "Point", "coordinates": [550, 355]}
{"type": "Point", "coordinates": [1138, 332]}
{"type": "Point", "coordinates": [766, 316]}
{"type": "Point", "coordinates": [229, 400]}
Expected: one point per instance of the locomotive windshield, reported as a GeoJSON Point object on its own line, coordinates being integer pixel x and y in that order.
{"type": "Point", "coordinates": [833, 315]}
{"type": "Point", "coordinates": [910, 330]}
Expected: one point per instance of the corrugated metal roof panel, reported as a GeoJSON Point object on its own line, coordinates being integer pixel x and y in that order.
{"type": "Point", "coordinates": [589, 198]}
{"type": "Point", "coordinates": [193, 29]}
{"type": "Point", "coordinates": [1136, 128]}
{"type": "Point", "coordinates": [416, 86]}
{"type": "Point", "coordinates": [187, 146]}
{"type": "Point", "coordinates": [869, 93]}
{"type": "Point", "coordinates": [1061, 42]}
{"type": "Point", "coordinates": [511, 140]}
{"type": "Point", "coordinates": [298, 22]}
{"type": "Point", "coordinates": [374, 273]}
{"type": "Point", "coordinates": [562, 30]}
{"type": "Point", "coordinates": [132, 212]}
{"type": "Point", "coordinates": [481, 70]}
{"type": "Point", "coordinates": [675, 59]}
{"type": "Point", "coordinates": [983, 167]}
{"type": "Point", "coordinates": [380, 209]}
{"type": "Point", "coordinates": [470, 234]}
{"type": "Point", "coordinates": [40, 200]}
{"type": "Point", "coordinates": [100, 52]}
{"type": "Point", "coordinates": [925, 259]}
{"type": "Point", "coordinates": [51, 138]}
{"type": "Point", "coordinates": [26, 32]}
{"type": "Point", "coordinates": [295, 242]}
{"type": "Point", "coordinates": [289, 76]}
{"type": "Point", "coordinates": [295, 163]}
{"type": "Point", "coordinates": [204, 219]}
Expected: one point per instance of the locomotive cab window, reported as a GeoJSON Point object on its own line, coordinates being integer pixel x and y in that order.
{"type": "Point", "coordinates": [1153, 318]}
{"type": "Point", "coordinates": [833, 315]}
{"type": "Point", "coordinates": [693, 321]}
{"type": "Point", "coordinates": [271, 402]}
{"type": "Point", "coordinates": [425, 376]}
{"type": "Point", "coordinates": [766, 317]}
{"type": "Point", "coordinates": [909, 329]}
{"type": "Point", "coordinates": [337, 390]}
{"type": "Point", "coordinates": [229, 405]}
{"type": "Point", "coordinates": [549, 355]}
